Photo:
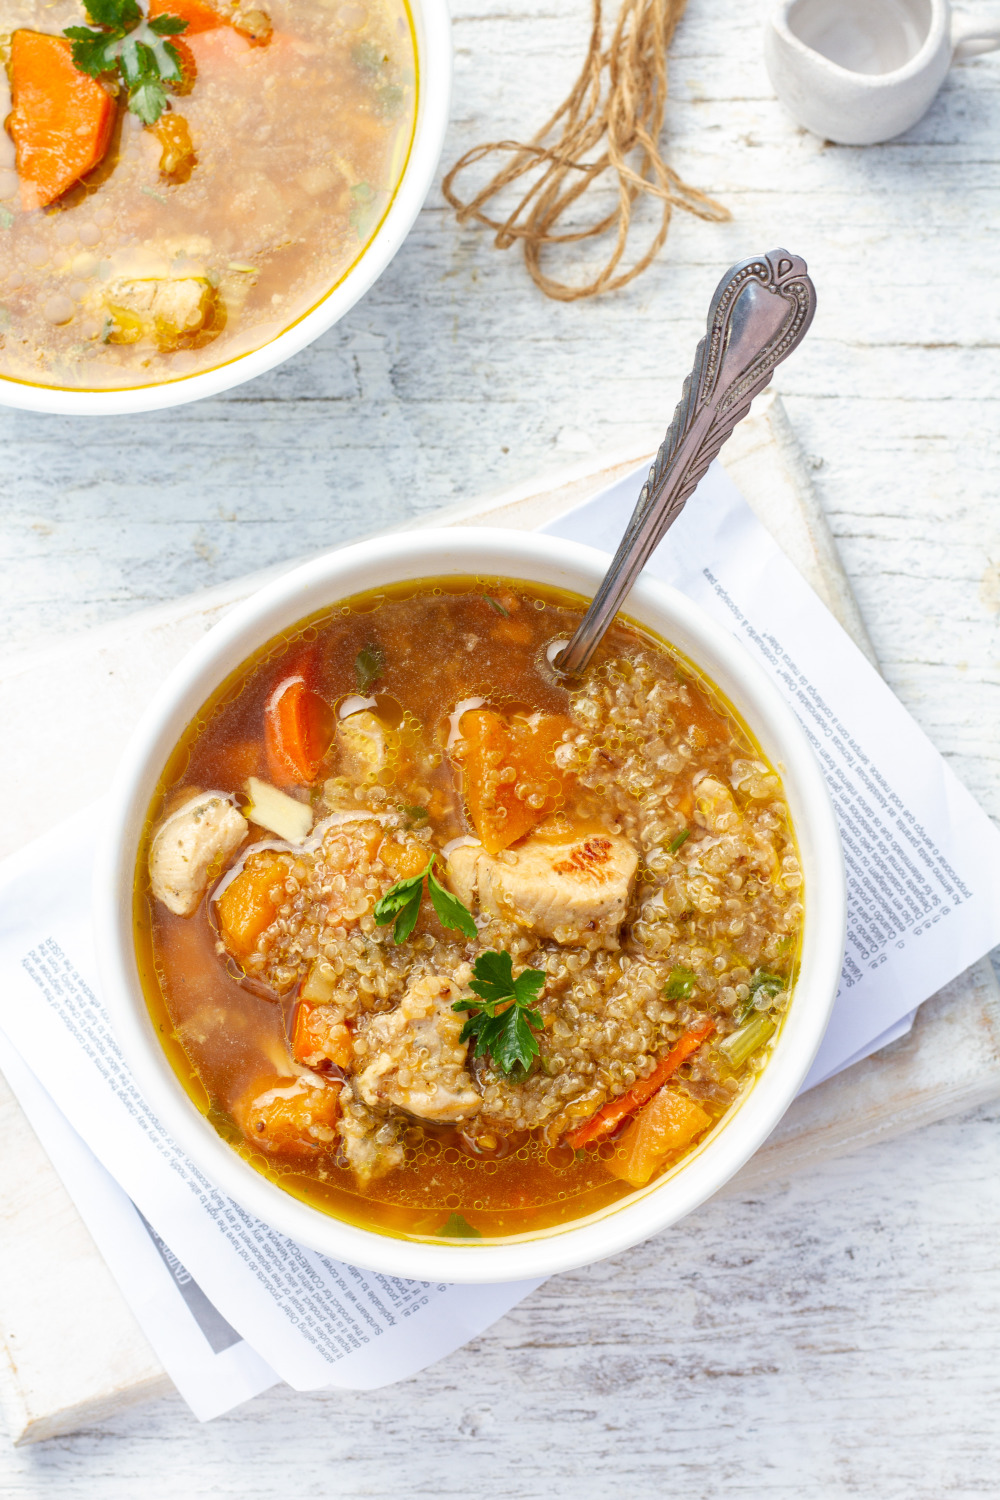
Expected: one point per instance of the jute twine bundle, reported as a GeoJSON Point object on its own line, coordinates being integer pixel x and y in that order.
{"type": "Point", "coordinates": [616, 107]}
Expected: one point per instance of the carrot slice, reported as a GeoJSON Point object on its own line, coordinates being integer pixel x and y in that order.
{"type": "Point", "coordinates": [668, 1123]}
{"type": "Point", "coordinates": [198, 15]}
{"type": "Point", "coordinates": [298, 728]}
{"type": "Point", "coordinates": [491, 746]}
{"type": "Point", "coordinates": [616, 1110]}
{"type": "Point", "coordinates": [61, 120]}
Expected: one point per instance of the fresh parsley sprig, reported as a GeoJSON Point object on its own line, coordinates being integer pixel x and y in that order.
{"type": "Point", "coordinates": [123, 40]}
{"type": "Point", "coordinates": [502, 1019]}
{"type": "Point", "coordinates": [401, 905]}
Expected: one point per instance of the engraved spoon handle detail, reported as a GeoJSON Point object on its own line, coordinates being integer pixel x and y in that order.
{"type": "Point", "coordinates": [760, 312]}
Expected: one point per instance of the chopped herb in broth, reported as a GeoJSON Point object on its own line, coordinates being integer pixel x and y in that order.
{"type": "Point", "coordinates": [178, 185]}
{"type": "Point", "coordinates": [472, 952]}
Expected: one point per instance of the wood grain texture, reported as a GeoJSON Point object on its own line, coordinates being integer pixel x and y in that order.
{"type": "Point", "coordinates": [836, 1335]}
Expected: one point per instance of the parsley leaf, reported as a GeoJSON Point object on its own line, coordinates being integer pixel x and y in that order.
{"type": "Point", "coordinates": [112, 13]}
{"type": "Point", "coordinates": [401, 905]}
{"type": "Point", "coordinates": [502, 1023]}
{"type": "Point", "coordinates": [451, 912]}
{"type": "Point", "coordinates": [680, 983]}
{"type": "Point", "coordinates": [121, 40]}
{"type": "Point", "coordinates": [369, 664]}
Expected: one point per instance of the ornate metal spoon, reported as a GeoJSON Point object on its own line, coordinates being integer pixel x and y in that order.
{"type": "Point", "coordinates": [759, 314]}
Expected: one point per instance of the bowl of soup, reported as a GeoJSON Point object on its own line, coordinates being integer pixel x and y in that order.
{"type": "Point", "coordinates": [162, 244]}
{"type": "Point", "coordinates": [446, 965]}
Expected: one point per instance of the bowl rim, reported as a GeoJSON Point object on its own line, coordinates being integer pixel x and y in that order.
{"type": "Point", "coordinates": [490, 552]}
{"type": "Point", "coordinates": [432, 27]}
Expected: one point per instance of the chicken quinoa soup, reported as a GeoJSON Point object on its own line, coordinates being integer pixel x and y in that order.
{"type": "Point", "coordinates": [450, 947]}
{"type": "Point", "coordinates": [180, 183]}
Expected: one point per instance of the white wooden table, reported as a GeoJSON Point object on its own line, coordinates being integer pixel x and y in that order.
{"type": "Point", "coordinates": [835, 1336]}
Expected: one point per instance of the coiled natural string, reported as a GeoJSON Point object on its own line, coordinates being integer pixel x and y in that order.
{"type": "Point", "coordinates": [619, 98]}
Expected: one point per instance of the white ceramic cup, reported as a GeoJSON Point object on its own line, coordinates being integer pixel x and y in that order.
{"type": "Point", "coordinates": [476, 551]}
{"type": "Point", "coordinates": [861, 71]}
{"type": "Point", "coordinates": [432, 24]}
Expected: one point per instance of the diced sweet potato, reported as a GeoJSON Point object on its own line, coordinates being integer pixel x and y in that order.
{"type": "Point", "coordinates": [509, 777]}
{"type": "Point", "coordinates": [61, 120]}
{"type": "Point", "coordinates": [668, 1123]}
{"type": "Point", "coordinates": [289, 1116]}
{"type": "Point", "coordinates": [320, 1035]}
{"type": "Point", "coordinates": [247, 906]}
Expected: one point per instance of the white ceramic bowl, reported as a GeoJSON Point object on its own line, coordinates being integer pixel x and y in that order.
{"type": "Point", "coordinates": [432, 24]}
{"type": "Point", "coordinates": [423, 554]}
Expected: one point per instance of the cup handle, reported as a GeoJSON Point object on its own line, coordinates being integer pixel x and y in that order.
{"type": "Point", "coordinates": [971, 38]}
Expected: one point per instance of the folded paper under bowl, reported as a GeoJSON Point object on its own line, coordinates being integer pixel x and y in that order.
{"type": "Point", "coordinates": [473, 551]}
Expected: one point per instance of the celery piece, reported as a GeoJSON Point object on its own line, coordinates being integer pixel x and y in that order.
{"type": "Point", "coordinates": [738, 1047]}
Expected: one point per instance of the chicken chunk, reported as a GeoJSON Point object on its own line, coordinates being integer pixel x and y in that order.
{"type": "Point", "coordinates": [569, 891]}
{"type": "Point", "coordinates": [190, 847]}
{"type": "Point", "coordinates": [289, 1116]}
{"type": "Point", "coordinates": [419, 1063]}
{"type": "Point", "coordinates": [171, 310]}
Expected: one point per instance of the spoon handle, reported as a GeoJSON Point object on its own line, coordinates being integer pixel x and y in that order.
{"type": "Point", "coordinates": [760, 312]}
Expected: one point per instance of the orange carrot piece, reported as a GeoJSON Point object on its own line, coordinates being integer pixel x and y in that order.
{"type": "Point", "coordinates": [245, 907]}
{"type": "Point", "coordinates": [611, 1114]}
{"type": "Point", "coordinates": [61, 120]}
{"type": "Point", "coordinates": [298, 728]}
{"type": "Point", "coordinates": [491, 744]}
{"type": "Point", "coordinates": [669, 1122]}
{"type": "Point", "coordinates": [198, 15]}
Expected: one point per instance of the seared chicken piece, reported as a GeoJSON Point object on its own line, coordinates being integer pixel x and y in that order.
{"type": "Point", "coordinates": [190, 847]}
{"type": "Point", "coordinates": [566, 890]}
{"type": "Point", "coordinates": [419, 1063]}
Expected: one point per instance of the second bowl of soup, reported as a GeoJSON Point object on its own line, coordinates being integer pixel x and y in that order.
{"type": "Point", "coordinates": [447, 965]}
{"type": "Point", "coordinates": [165, 241]}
